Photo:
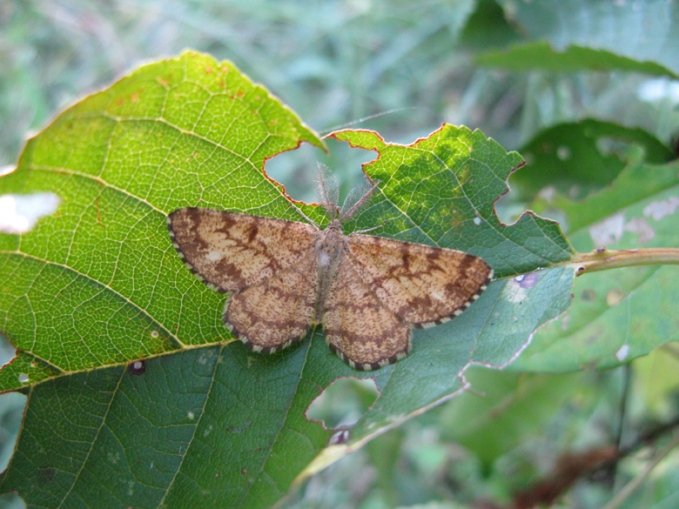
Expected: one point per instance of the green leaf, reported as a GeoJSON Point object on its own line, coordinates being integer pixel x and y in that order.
{"type": "Point", "coordinates": [97, 285]}
{"type": "Point", "coordinates": [93, 280]}
{"type": "Point", "coordinates": [541, 55]}
{"type": "Point", "coordinates": [576, 158]}
{"type": "Point", "coordinates": [491, 425]}
{"type": "Point", "coordinates": [657, 375]}
{"type": "Point", "coordinates": [620, 315]}
{"type": "Point", "coordinates": [453, 205]}
{"type": "Point", "coordinates": [644, 32]}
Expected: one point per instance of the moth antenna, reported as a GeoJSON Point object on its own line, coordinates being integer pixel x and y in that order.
{"type": "Point", "coordinates": [328, 190]}
{"type": "Point", "coordinates": [356, 206]}
{"type": "Point", "coordinates": [371, 117]}
{"type": "Point", "coordinates": [354, 195]}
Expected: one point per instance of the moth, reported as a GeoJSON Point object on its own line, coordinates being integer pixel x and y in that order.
{"type": "Point", "coordinates": [367, 292]}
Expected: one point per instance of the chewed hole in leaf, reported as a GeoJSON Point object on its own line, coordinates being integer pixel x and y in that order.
{"type": "Point", "coordinates": [7, 169]}
{"type": "Point", "coordinates": [19, 213]}
{"type": "Point", "coordinates": [13, 405]}
{"type": "Point", "coordinates": [7, 351]}
{"type": "Point", "coordinates": [343, 402]}
{"type": "Point", "coordinates": [296, 169]}
{"type": "Point", "coordinates": [611, 146]}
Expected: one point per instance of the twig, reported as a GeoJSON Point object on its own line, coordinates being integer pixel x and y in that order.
{"type": "Point", "coordinates": [573, 467]}
{"type": "Point", "coordinates": [605, 259]}
{"type": "Point", "coordinates": [624, 493]}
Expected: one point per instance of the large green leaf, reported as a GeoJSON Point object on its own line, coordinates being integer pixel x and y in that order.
{"type": "Point", "coordinates": [596, 34]}
{"type": "Point", "coordinates": [98, 284]}
{"type": "Point", "coordinates": [616, 316]}
{"type": "Point", "coordinates": [576, 158]}
{"type": "Point", "coordinates": [541, 55]}
{"type": "Point", "coordinates": [496, 423]}
{"type": "Point", "coordinates": [94, 282]}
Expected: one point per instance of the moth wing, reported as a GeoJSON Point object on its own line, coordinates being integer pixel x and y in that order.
{"type": "Point", "coordinates": [277, 311]}
{"type": "Point", "coordinates": [421, 285]}
{"type": "Point", "coordinates": [231, 251]}
{"type": "Point", "coordinates": [359, 328]}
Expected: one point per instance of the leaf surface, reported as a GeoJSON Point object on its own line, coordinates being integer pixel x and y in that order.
{"type": "Point", "coordinates": [595, 34]}
{"type": "Point", "coordinates": [98, 284]}
{"type": "Point", "coordinates": [621, 314]}
{"type": "Point", "coordinates": [577, 158]}
{"type": "Point", "coordinates": [573, 58]}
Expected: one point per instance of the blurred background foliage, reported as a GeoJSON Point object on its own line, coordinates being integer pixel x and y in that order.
{"type": "Point", "coordinates": [402, 68]}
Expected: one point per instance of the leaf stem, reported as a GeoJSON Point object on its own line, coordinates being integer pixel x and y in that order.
{"type": "Point", "coordinates": [605, 259]}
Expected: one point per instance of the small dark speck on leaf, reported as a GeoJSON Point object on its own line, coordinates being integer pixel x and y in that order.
{"type": "Point", "coordinates": [340, 437]}
{"type": "Point", "coordinates": [137, 368]}
{"type": "Point", "coordinates": [588, 295]}
{"type": "Point", "coordinates": [47, 475]}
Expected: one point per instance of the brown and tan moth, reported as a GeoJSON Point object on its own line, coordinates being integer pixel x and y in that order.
{"type": "Point", "coordinates": [284, 276]}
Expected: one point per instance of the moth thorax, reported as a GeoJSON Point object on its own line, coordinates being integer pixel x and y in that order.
{"type": "Point", "coordinates": [330, 245]}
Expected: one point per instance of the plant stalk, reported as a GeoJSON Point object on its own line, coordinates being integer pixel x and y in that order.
{"type": "Point", "coordinates": [605, 259]}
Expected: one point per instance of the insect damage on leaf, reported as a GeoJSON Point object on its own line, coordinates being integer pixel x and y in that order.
{"type": "Point", "coordinates": [367, 292]}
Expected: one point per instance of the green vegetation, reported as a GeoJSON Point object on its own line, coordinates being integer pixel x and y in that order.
{"type": "Point", "coordinates": [586, 410]}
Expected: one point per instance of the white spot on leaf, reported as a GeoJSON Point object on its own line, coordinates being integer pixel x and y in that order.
{"type": "Point", "coordinates": [608, 231]}
{"type": "Point", "coordinates": [565, 321]}
{"type": "Point", "coordinates": [659, 209]}
{"type": "Point", "coordinates": [205, 357]}
{"type": "Point", "coordinates": [614, 297]}
{"type": "Point", "coordinates": [518, 291]}
{"type": "Point", "coordinates": [563, 153]}
{"type": "Point", "coordinates": [622, 353]}
{"type": "Point", "coordinates": [527, 281]}
{"type": "Point", "coordinates": [640, 226]}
